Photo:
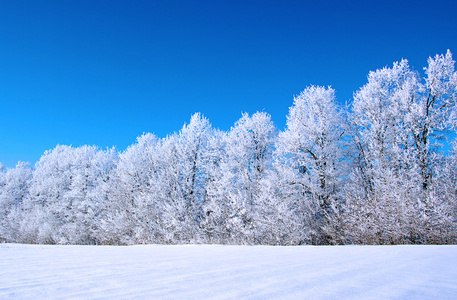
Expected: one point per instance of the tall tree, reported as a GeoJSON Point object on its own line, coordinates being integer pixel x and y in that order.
{"type": "Point", "coordinates": [433, 113]}
{"type": "Point", "coordinates": [14, 188]}
{"type": "Point", "coordinates": [397, 124]}
{"type": "Point", "coordinates": [133, 210]}
{"type": "Point", "coordinates": [384, 152]}
{"type": "Point", "coordinates": [64, 199]}
{"type": "Point", "coordinates": [310, 151]}
{"type": "Point", "coordinates": [248, 158]}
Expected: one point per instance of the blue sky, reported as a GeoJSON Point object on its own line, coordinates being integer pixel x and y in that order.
{"type": "Point", "coordinates": [103, 72]}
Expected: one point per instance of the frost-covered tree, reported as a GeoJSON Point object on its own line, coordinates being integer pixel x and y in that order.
{"type": "Point", "coordinates": [87, 195]}
{"type": "Point", "coordinates": [64, 197]}
{"type": "Point", "coordinates": [216, 210]}
{"type": "Point", "coordinates": [14, 188]}
{"type": "Point", "coordinates": [433, 113]}
{"type": "Point", "coordinates": [433, 116]}
{"type": "Point", "coordinates": [383, 166]}
{"type": "Point", "coordinates": [397, 122]}
{"type": "Point", "coordinates": [192, 150]}
{"type": "Point", "coordinates": [310, 153]}
{"type": "Point", "coordinates": [247, 159]}
{"type": "Point", "coordinates": [132, 214]}
{"type": "Point", "coordinates": [444, 201]}
{"type": "Point", "coordinates": [159, 187]}
{"type": "Point", "coordinates": [188, 160]}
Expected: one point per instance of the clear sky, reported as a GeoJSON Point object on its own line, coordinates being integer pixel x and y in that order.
{"type": "Point", "coordinates": [103, 72]}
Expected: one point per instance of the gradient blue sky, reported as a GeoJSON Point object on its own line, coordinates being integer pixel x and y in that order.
{"type": "Point", "coordinates": [104, 72]}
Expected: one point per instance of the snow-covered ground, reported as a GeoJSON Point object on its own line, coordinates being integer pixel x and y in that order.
{"type": "Point", "coordinates": [227, 272]}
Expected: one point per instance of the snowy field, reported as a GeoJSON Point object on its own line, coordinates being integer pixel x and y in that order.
{"type": "Point", "coordinates": [227, 272]}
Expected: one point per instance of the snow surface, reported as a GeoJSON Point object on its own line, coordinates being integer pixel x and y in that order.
{"type": "Point", "coordinates": [227, 272]}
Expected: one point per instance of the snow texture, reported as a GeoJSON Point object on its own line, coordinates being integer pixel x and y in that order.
{"type": "Point", "coordinates": [227, 272]}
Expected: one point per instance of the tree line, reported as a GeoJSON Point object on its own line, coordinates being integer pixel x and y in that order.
{"type": "Point", "coordinates": [382, 170]}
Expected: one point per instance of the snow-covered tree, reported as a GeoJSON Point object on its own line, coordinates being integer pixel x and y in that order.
{"type": "Point", "coordinates": [247, 159]}
{"type": "Point", "coordinates": [191, 146]}
{"type": "Point", "coordinates": [444, 201]}
{"type": "Point", "coordinates": [215, 209]}
{"type": "Point", "coordinates": [432, 116]}
{"type": "Point", "coordinates": [310, 153]}
{"type": "Point", "coordinates": [186, 157]}
{"type": "Point", "coordinates": [14, 188]}
{"type": "Point", "coordinates": [132, 213]}
{"type": "Point", "coordinates": [397, 123]}
{"type": "Point", "coordinates": [64, 197]}
{"type": "Point", "coordinates": [433, 113]}
{"type": "Point", "coordinates": [158, 189]}
{"type": "Point", "coordinates": [383, 163]}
